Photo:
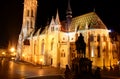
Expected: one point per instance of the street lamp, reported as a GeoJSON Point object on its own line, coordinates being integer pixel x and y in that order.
{"type": "Point", "coordinates": [3, 53]}
{"type": "Point", "coordinates": [12, 49]}
{"type": "Point", "coordinates": [41, 62]}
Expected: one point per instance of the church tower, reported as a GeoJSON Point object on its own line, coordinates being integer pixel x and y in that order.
{"type": "Point", "coordinates": [29, 17]}
{"type": "Point", "coordinates": [68, 16]}
{"type": "Point", "coordinates": [28, 25]}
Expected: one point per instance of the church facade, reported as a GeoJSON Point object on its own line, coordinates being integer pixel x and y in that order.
{"type": "Point", "coordinates": [55, 45]}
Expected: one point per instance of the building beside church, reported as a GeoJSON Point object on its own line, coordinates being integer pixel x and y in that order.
{"type": "Point", "coordinates": [55, 45]}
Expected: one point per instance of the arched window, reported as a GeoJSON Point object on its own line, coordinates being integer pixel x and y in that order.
{"type": "Point", "coordinates": [98, 38]}
{"type": "Point", "coordinates": [91, 38]}
{"type": "Point", "coordinates": [28, 12]}
{"type": "Point", "coordinates": [104, 38]}
{"type": "Point", "coordinates": [104, 48]}
{"type": "Point", "coordinates": [31, 13]}
{"type": "Point", "coordinates": [52, 43]}
{"type": "Point", "coordinates": [62, 53]}
{"type": "Point", "coordinates": [98, 48]}
{"type": "Point", "coordinates": [27, 24]}
{"type": "Point", "coordinates": [31, 24]}
{"type": "Point", "coordinates": [52, 28]}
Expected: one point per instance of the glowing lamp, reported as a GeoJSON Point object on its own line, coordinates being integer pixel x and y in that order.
{"type": "Point", "coordinates": [92, 53]}
{"type": "Point", "coordinates": [3, 53]}
{"type": "Point", "coordinates": [109, 31]}
{"type": "Point", "coordinates": [12, 49]}
{"type": "Point", "coordinates": [23, 55]}
{"type": "Point", "coordinates": [41, 60]}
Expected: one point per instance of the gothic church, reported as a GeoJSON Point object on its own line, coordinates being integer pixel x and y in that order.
{"type": "Point", "coordinates": [55, 45]}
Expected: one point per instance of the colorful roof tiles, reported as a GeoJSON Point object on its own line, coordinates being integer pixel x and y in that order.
{"type": "Point", "coordinates": [90, 19]}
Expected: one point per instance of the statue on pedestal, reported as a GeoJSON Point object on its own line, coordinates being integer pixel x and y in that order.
{"type": "Point", "coordinates": [81, 45]}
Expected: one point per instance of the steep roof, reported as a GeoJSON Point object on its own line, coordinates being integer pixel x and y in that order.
{"type": "Point", "coordinates": [91, 19]}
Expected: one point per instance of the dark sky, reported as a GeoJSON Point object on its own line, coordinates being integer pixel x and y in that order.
{"type": "Point", "coordinates": [11, 14]}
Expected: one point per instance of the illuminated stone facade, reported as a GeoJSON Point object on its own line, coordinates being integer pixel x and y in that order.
{"type": "Point", "coordinates": [55, 45]}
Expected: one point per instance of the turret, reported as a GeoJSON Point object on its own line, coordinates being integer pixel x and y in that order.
{"type": "Point", "coordinates": [68, 16]}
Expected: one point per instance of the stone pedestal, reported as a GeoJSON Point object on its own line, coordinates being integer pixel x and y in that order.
{"type": "Point", "coordinates": [81, 68]}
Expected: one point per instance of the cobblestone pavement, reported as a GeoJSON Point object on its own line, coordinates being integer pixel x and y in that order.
{"type": "Point", "coordinates": [22, 70]}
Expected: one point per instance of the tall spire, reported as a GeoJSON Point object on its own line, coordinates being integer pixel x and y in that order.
{"type": "Point", "coordinates": [69, 10]}
{"type": "Point", "coordinates": [57, 20]}
{"type": "Point", "coordinates": [52, 21]}
{"type": "Point", "coordinates": [68, 16]}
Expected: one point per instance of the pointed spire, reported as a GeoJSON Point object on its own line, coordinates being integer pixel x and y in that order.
{"type": "Point", "coordinates": [68, 16]}
{"type": "Point", "coordinates": [31, 35]}
{"type": "Point", "coordinates": [69, 10]}
{"type": "Point", "coordinates": [57, 20]}
{"type": "Point", "coordinates": [38, 32]}
{"type": "Point", "coordinates": [52, 21]}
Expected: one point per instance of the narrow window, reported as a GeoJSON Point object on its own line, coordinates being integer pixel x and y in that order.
{"type": "Point", "coordinates": [52, 28]}
{"type": "Point", "coordinates": [98, 48]}
{"type": "Point", "coordinates": [52, 44]}
{"type": "Point", "coordinates": [56, 28]}
{"type": "Point", "coordinates": [27, 24]}
{"type": "Point", "coordinates": [104, 38]}
{"type": "Point", "coordinates": [91, 37]}
{"type": "Point", "coordinates": [31, 13]}
{"type": "Point", "coordinates": [28, 12]}
{"type": "Point", "coordinates": [31, 24]}
{"type": "Point", "coordinates": [98, 38]}
{"type": "Point", "coordinates": [64, 54]}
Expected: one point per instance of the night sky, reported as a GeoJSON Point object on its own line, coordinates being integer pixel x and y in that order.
{"type": "Point", "coordinates": [11, 14]}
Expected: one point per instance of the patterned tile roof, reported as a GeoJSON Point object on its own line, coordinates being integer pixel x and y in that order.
{"type": "Point", "coordinates": [91, 20]}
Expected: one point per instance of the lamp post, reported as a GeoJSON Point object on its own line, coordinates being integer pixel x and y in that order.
{"type": "Point", "coordinates": [12, 52]}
